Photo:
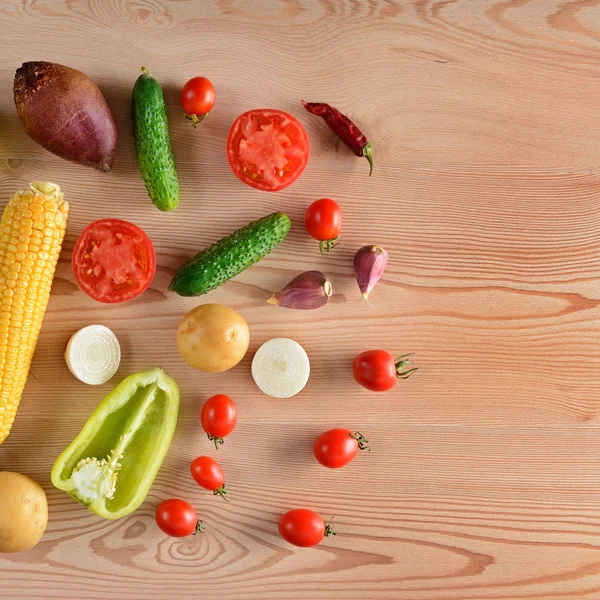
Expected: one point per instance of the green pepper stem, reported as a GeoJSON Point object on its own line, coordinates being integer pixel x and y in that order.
{"type": "Point", "coordinates": [401, 362]}
{"type": "Point", "coordinates": [362, 442]}
{"type": "Point", "coordinates": [219, 441]}
{"type": "Point", "coordinates": [221, 491]}
{"type": "Point", "coordinates": [329, 530]}
{"type": "Point", "coordinates": [367, 154]}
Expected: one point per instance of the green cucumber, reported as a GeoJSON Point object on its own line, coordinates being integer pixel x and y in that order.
{"type": "Point", "coordinates": [152, 143]}
{"type": "Point", "coordinates": [230, 256]}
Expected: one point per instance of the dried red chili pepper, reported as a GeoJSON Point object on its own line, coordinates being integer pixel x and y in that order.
{"type": "Point", "coordinates": [341, 125]}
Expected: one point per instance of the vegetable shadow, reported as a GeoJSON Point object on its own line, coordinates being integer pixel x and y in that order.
{"type": "Point", "coordinates": [118, 98]}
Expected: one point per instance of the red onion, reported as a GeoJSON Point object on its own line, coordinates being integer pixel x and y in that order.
{"type": "Point", "coordinates": [369, 264]}
{"type": "Point", "coordinates": [306, 291]}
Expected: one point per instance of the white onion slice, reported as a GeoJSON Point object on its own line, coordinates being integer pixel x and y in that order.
{"type": "Point", "coordinates": [280, 368]}
{"type": "Point", "coordinates": [93, 354]}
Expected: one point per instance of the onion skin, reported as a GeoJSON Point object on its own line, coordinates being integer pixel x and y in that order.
{"type": "Point", "coordinates": [64, 111]}
{"type": "Point", "coordinates": [369, 264]}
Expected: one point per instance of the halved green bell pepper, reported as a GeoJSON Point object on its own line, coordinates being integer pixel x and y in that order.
{"type": "Point", "coordinates": [112, 463]}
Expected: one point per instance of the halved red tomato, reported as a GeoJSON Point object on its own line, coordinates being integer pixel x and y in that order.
{"type": "Point", "coordinates": [267, 149]}
{"type": "Point", "coordinates": [113, 261]}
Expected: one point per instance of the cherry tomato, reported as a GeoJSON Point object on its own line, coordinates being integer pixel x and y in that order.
{"type": "Point", "coordinates": [209, 475]}
{"type": "Point", "coordinates": [324, 223]}
{"type": "Point", "coordinates": [177, 518]}
{"type": "Point", "coordinates": [267, 149]}
{"type": "Point", "coordinates": [113, 261]}
{"type": "Point", "coordinates": [337, 447]}
{"type": "Point", "coordinates": [303, 527]}
{"type": "Point", "coordinates": [197, 98]}
{"type": "Point", "coordinates": [377, 370]}
{"type": "Point", "coordinates": [218, 416]}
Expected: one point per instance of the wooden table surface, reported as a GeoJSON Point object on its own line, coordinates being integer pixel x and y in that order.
{"type": "Point", "coordinates": [484, 479]}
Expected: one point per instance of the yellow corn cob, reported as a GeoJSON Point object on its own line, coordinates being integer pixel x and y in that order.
{"type": "Point", "coordinates": [31, 233]}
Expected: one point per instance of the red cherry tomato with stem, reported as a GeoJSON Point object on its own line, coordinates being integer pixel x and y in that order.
{"type": "Point", "coordinates": [324, 223]}
{"type": "Point", "coordinates": [304, 528]}
{"type": "Point", "coordinates": [267, 149]}
{"type": "Point", "coordinates": [218, 416]}
{"type": "Point", "coordinates": [209, 475]}
{"type": "Point", "coordinates": [177, 518]}
{"type": "Point", "coordinates": [197, 99]}
{"type": "Point", "coordinates": [337, 447]}
{"type": "Point", "coordinates": [377, 370]}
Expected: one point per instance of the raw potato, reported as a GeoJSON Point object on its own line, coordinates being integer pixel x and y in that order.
{"type": "Point", "coordinates": [64, 111]}
{"type": "Point", "coordinates": [23, 512]}
{"type": "Point", "coordinates": [213, 338]}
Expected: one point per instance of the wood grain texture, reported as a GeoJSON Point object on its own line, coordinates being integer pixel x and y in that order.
{"type": "Point", "coordinates": [484, 481]}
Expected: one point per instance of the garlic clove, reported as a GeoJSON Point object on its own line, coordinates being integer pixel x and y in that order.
{"type": "Point", "coordinates": [369, 264]}
{"type": "Point", "coordinates": [306, 291]}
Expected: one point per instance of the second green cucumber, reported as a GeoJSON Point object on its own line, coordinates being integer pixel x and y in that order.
{"type": "Point", "coordinates": [230, 256]}
{"type": "Point", "coordinates": [152, 143]}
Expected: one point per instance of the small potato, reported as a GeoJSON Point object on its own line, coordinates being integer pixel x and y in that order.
{"type": "Point", "coordinates": [23, 512]}
{"type": "Point", "coordinates": [213, 338]}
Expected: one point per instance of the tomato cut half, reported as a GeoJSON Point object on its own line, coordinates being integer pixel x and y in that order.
{"type": "Point", "coordinates": [113, 261]}
{"type": "Point", "coordinates": [267, 149]}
